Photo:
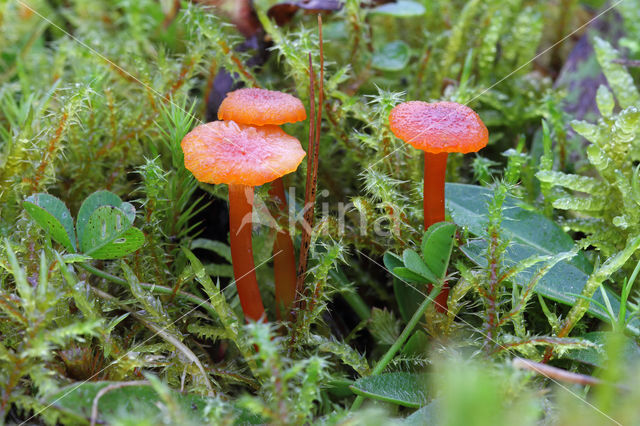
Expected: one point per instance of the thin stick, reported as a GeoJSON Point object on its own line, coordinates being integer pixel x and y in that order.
{"type": "Point", "coordinates": [156, 289]}
{"type": "Point", "coordinates": [555, 373]}
{"type": "Point", "coordinates": [308, 204]}
{"type": "Point", "coordinates": [316, 154]}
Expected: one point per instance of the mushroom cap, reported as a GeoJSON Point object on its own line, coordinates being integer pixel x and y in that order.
{"type": "Point", "coordinates": [231, 153]}
{"type": "Point", "coordinates": [439, 127]}
{"type": "Point", "coordinates": [261, 107]}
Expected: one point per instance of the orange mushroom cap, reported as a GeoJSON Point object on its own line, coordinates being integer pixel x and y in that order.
{"type": "Point", "coordinates": [261, 107]}
{"type": "Point", "coordinates": [439, 127]}
{"type": "Point", "coordinates": [231, 153]}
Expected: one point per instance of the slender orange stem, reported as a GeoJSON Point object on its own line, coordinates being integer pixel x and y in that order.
{"type": "Point", "coordinates": [284, 260]}
{"type": "Point", "coordinates": [435, 171]}
{"type": "Point", "coordinates": [240, 208]}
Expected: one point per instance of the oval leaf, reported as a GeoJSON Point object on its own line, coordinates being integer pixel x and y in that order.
{"type": "Point", "coordinates": [392, 56]}
{"type": "Point", "coordinates": [99, 199]}
{"type": "Point", "coordinates": [468, 207]}
{"type": "Point", "coordinates": [437, 244]}
{"type": "Point", "coordinates": [109, 235]}
{"type": "Point", "coordinates": [409, 276]}
{"type": "Point", "coordinates": [530, 234]}
{"type": "Point", "coordinates": [54, 217]}
{"type": "Point", "coordinates": [562, 283]}
{"type": "Point", "coordinates": [76, 400]}
{"type": "Point", "coordinates": [406, 389]}
{"type": "Point", "coordinates": [415, 264]}
{"type": "Point", "coordinates": [392, 261]}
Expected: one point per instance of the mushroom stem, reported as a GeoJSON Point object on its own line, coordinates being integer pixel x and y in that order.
{"type": "Point", "coordinates": [284, 261]}
{"type": "Point", "coordinates": [240, 209]}
{"type": "Point", "coordinates": [435, 170]}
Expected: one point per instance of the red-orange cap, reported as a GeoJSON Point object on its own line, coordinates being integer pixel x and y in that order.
{"type": "Point", "coordinates": [260, 107]}
{"type": "Point", "coordinates": [231, 153]}
{"type": "Point", "coordinates": [439, 127]}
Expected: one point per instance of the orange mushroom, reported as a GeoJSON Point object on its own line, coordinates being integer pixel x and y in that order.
{"type": "Point", "coordinates": [437, 129]}
{"type": "Point", "coordinates": [243, 157]}
{"type": "Point", "coordinates": [261, 107]}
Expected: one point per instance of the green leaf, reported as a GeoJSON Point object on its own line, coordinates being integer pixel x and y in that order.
{"type": "Point", "coordinates": [96, 200]}
{"type": "Point", "coordinates": [467, 204]}
{"type": "Point", "coordinates": [605, 101]}
{"type": "Point", "coordinates": [392, 261]}
{"type": "Point", "coordinates": [392, 56]}
{"type": "Point", "coordinates": [408, 275]}
{"type": "Point", "coordinates": [109, 234]}
{"type": "Point", "coordinates": [54, 217]}
{"type": "Point", "coordinates": [437, 244]}
{"type": "Point", "coordinates": [617, 75]}
{"type": "Point", "coordinates": [417, 344]}
{"type": "Point", "coordinates": [597, 357]}
{"type": "Point", "coordinates": [406, 389]}
{"type": "Point", "coordinates": [76, 401]}
{"type": "Point", "coordinates": [407, 296]}
{"type": "Point", "coordinates": [400, 9]}
{"type": "Point", "coordinates": [530, 234]}
{"type": "Point", "coordinates": [415, 264]}
{"type": "Point", "coordinates": [562, 283]}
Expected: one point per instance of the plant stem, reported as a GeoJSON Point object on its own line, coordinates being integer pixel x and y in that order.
{"type": "Point", "coordinates": [400, 341]}
{"type": "Point", "coordinates": [305, 238]}
{"type": "Point", "coordinates": [158, 289]}
{"type": "Point", "coordinates": [284, 260]}
{"type": "Point", "coordinates": [240, 209]}
{"type": "Point", "coordinates": [435, 171]}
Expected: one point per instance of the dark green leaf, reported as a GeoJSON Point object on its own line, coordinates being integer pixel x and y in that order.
{"type": "Point", "coordinates": [392, 56]}
{"type": "Point", "coordinates": [467, 204]}
{"type": "Point", "coordinates": [561, 283]}
{"type": "Point", "coordinates": [399, 388]}
{"type": "Point", "coordinates": [109, 234]}
{"type": "Point", "coordinates": [530, 234]}
{"type": "Point", "coordinates": [392, 261]}
{"type": "Point", "coordinates": [54, 217]}
{"type": "Point", "coordinates": [417, 344]}
{"type": "Point", "coordinates": [408, 296]}
{"type": "Point", "coordinates": [437, 244]}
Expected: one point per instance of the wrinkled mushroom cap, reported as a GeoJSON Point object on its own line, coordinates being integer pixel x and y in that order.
{"type": "Point", "coordinates": [439, 127]}
{"type": "Point", "coordinates": [261, 107]}
{"type": "Point", "coordinates": [231, 153]}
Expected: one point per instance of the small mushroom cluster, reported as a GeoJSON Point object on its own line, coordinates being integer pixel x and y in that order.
{"type": "Point", "coordinates": [247, 149]}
